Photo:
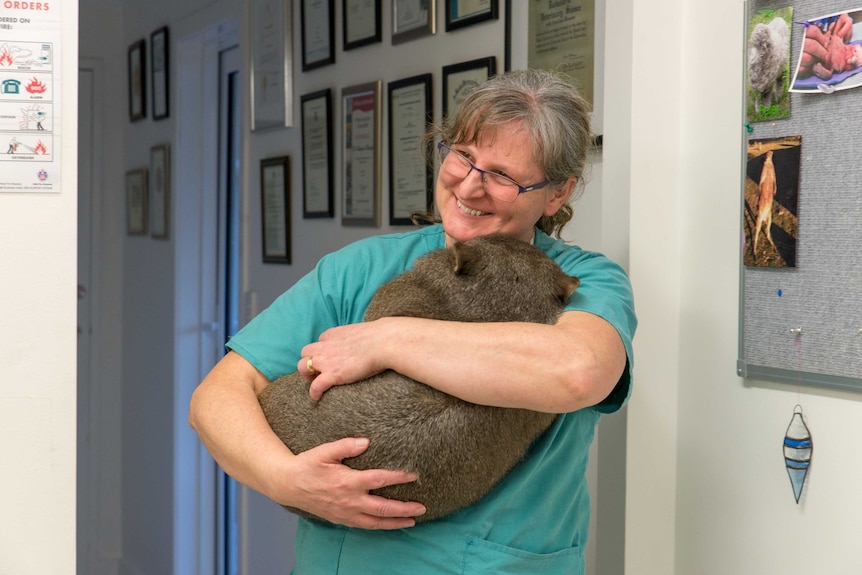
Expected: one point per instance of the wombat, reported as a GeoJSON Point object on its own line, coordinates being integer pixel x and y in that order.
{"type": "Point", "coordinates": [458, 449]}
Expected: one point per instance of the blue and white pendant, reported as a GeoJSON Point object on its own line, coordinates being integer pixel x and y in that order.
{"type": "Point", "coordinates": [797, 451]}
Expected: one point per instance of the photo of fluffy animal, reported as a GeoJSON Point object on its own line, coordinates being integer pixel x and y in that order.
{"type": "Point", "coordinates": [458, 450]}
{"type": "Point", "coordinates": [768, 61]}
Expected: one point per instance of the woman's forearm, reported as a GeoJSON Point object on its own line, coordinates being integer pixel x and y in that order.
{"type": "Point", "coordinates": [552, 368]}
{"type": "Point", "coordinates": [227, 417]}
{"type": "Point", "coordinates": [229, 421]}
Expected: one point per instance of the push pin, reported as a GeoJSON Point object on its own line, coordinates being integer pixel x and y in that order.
{"type": "Point", "coordinates": [796, 330]}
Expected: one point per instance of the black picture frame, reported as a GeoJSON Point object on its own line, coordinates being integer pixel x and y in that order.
{"type": "Point", "coordinates": [137, 72]}
{"type": "Point", "coordinates": [358, 12]}
{"type": "Point", "coordinates": [317, 23]}
{"type": "Point", "coordinates": [507, 38]}
{"type": "Point", "coordinates": [454, 20]}
{"type": "Point", "coordinates": [160, 73]}
{"type": "Point", "coordinates": [459, 78]}
{"type": "Point", "coordinates": [408, 122]}
{"type": "Point", "coordinates": [318, 188]}
{"type": "Point", "coordinates": [275, 210]}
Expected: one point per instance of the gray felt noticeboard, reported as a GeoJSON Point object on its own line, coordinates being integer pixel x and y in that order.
{"type": "Point", "coordinates": [801, 301]}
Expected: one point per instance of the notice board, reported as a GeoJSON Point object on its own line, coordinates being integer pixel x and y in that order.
{"type": "Point", "coordinates": [801, 208]}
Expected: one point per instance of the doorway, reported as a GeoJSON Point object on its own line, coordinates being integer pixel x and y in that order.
{"type": "Point", "coordinates": [207, 258]}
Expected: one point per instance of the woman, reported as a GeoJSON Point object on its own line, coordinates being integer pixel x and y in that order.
{"type": "Point", "coordinates": [510, 161]}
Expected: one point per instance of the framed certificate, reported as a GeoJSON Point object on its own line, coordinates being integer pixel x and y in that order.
{"type": "Point", "coordinates": [137, 80]}
{"type": "Point", "coordinates": [566, 36]}
{"type": "Point", "coordinates": [460, 79]}
{"type": "Point", "coordinates": [412, 19]}
{"type": "Point", "coordinates": [159, 75]}
{"type": "Point", "coordinates": [317, 188]}
{"type": "Point", "coordinates": [271, 65]}
{"type": "Point", "coordinates": [318, 31]}
{"type": "Point", "coordinates": [360, 154]}
{"type": "Point", "coordinates": [410, 176]}
{"type": "Point", "coordinates": [361, 23]}
{"type": "Point", "coordinates": [463, 13]}
{"type": "Point", "coordinates": [275, 209]}
{"type": "Point", "coordinates": [136, 202]}
{"type": "Point", "coordinates": [160, 190]}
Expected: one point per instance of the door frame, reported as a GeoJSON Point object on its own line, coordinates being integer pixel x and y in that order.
{"type": "Point", "coordinates": [99, 545]}
{"type": "Point", "coordinates": [197, 318]}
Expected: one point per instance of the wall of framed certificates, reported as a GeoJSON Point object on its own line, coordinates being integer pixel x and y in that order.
{"type": "Point", "coordinates": [364, 78]}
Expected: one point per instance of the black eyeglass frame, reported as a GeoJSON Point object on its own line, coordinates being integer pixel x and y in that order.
{"type": "Point", "coordinates": [444, 150]}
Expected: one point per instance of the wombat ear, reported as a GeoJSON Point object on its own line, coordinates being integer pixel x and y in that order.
{"type": "Point", "coordinates": [462, 255]}
{"type": "Point", "coordinates": [566, 286]}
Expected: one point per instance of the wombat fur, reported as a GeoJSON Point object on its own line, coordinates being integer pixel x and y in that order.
{"type": "Point", "coordinates": [459, 450]}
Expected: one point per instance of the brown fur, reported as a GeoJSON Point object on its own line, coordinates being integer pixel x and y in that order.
{"type": "Point", "coordinates": [459, 450]}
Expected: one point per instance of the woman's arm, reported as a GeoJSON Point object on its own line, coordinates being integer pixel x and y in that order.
{"type": "Point", "coordinates": [225, 413]}
{"type": "Point", "coordinates": [558, 368]}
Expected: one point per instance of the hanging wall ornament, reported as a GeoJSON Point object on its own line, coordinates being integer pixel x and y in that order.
{"type": "Point", "coordinates": [797, 451]}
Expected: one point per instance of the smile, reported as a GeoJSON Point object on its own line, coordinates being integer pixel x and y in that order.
{"type": "Point", "coordinates": [470, 211]}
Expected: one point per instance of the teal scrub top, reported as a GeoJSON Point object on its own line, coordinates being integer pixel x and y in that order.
{"type": "Point", "coordinates": [537, 518]}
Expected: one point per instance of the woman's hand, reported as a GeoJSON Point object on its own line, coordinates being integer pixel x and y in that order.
{"type": "Point", "coordinates": [226, 415]}
{"type": "Point", "coordinates": [343, 355]}
{"type": "Point", "coordinates": [329, 489]}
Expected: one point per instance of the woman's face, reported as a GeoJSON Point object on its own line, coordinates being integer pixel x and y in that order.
{"type": "Point", "coordinates": [468, 211]}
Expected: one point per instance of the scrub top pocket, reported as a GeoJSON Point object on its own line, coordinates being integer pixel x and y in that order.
{"type": "Point", "coordinates": [482, 556]}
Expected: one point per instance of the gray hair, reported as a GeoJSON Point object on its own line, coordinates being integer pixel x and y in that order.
{"type": "Point", "coordinates": [555, 115]}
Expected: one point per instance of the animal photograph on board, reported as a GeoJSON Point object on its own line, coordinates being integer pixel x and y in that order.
{"type": "Point", "coordinates": [771, 207]}
{"type": "Point", "coordinates": [831, 55]}
{"type": "Point", "coordinates": [768, 70]}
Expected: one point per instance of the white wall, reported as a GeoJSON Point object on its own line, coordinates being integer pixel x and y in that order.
{"type": "Point", "coordinates": [38, 236]}
{"type": "Point", "coordinates": [653, 160]}
{"type": "Point", "coordinates": [707, 489]}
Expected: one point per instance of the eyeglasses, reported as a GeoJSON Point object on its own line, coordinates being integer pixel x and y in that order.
{"type": "Point", "coordinates": [501, 187]}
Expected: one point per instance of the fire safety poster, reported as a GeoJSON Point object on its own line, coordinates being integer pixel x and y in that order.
{"type": "Point", "coordinates": [30, 96]}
